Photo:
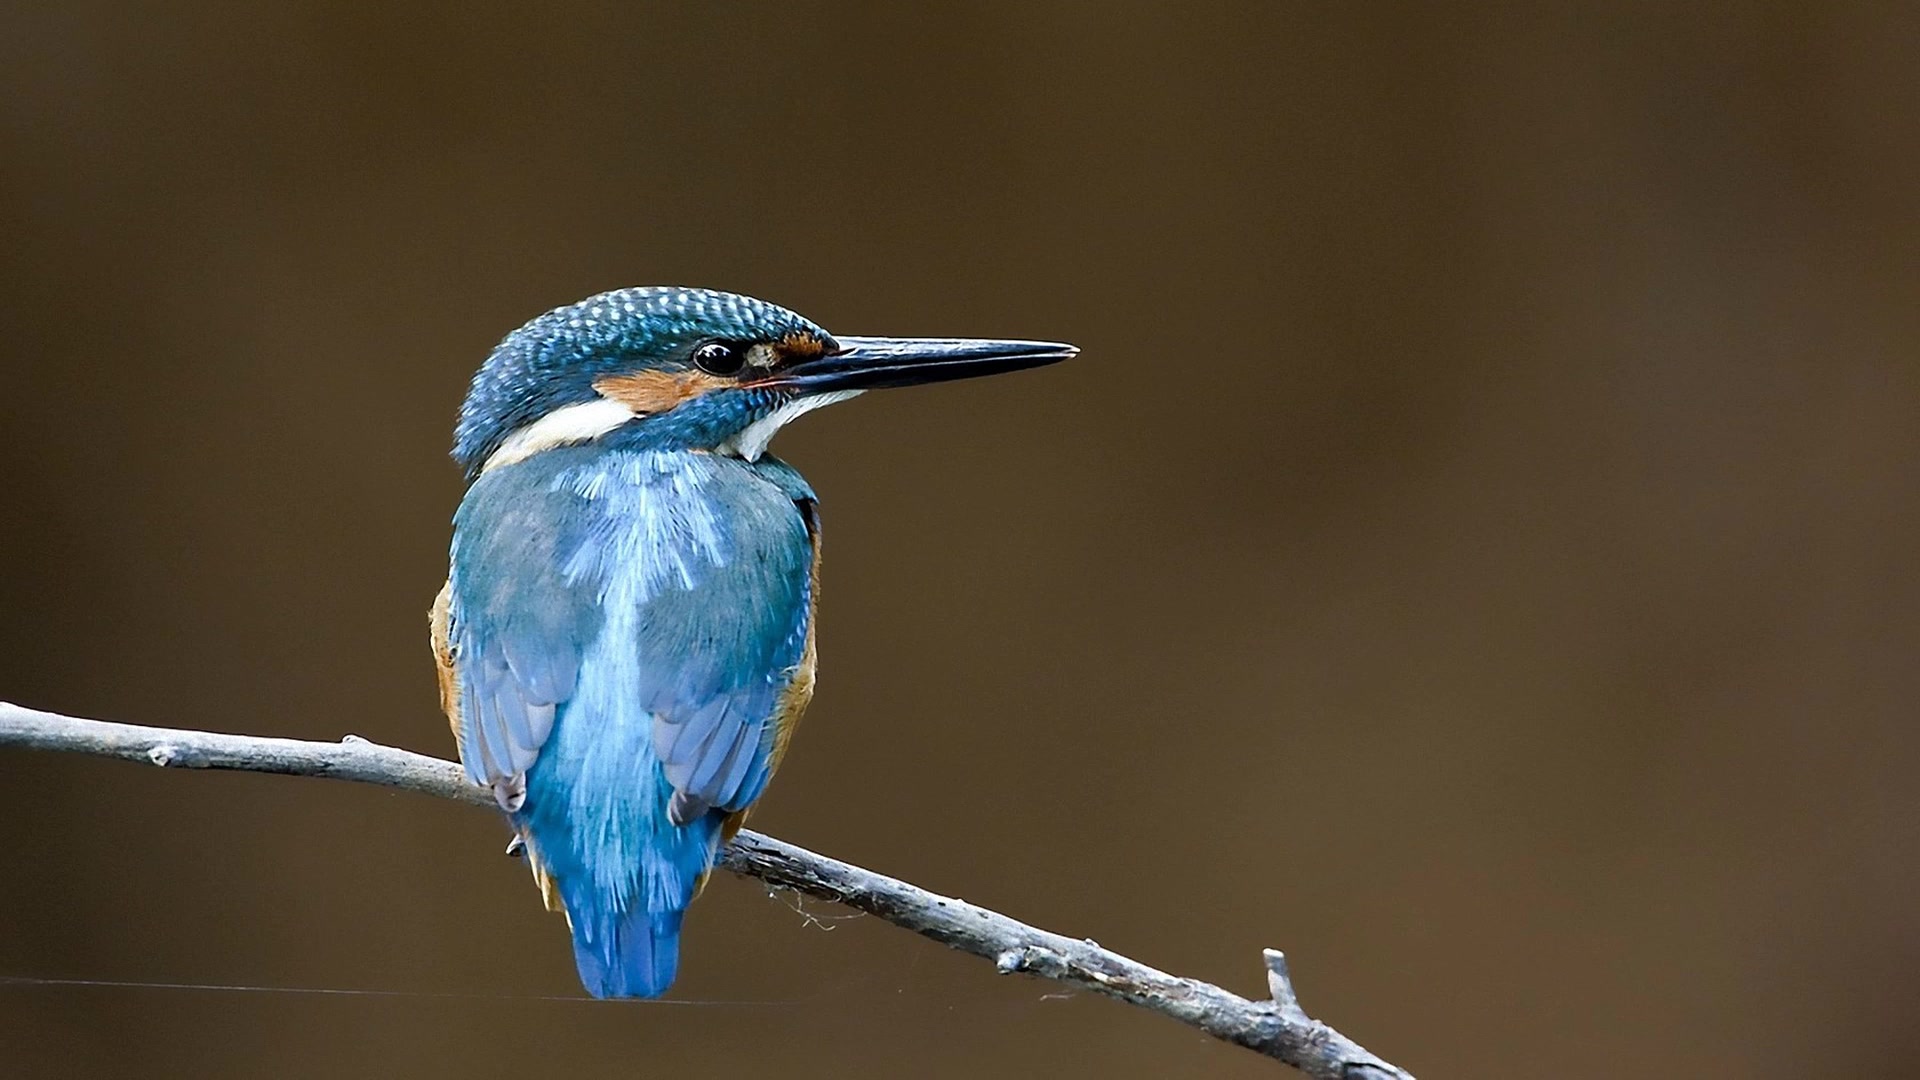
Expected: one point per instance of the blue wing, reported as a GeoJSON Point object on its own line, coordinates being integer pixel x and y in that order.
{"type": "Point", "coordinates": [517, 629]}
{"type": "Point", "coordinates": [705, 562]}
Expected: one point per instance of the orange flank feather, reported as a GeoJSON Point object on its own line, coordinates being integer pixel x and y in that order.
{"type": "Point", "coordinates": [794, 700]}
{"type": "Point", "coordinates": [439, 623]}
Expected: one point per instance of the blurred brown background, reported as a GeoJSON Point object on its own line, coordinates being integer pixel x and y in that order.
{"type": "Point", "coordinates": [1474, 551]}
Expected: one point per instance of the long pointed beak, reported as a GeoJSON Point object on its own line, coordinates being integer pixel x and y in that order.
{"type": "Point", "coordinates": [869, 363]}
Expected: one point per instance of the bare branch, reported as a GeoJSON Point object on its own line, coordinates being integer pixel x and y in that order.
{"type": "Point", "coordinates": [1278, 1028]}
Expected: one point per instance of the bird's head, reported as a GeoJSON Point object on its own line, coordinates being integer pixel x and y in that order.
{"type": "Point", "coordinates": [691, 369]}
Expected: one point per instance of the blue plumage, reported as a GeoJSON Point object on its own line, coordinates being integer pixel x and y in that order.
{"type": "Point", "coordinates": [626, 634]}
{"type": "Point", "coordinates": [654, 605]}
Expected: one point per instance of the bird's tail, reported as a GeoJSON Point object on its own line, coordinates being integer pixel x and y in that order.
{"type": "Point", "coordinates": [631, 953]}
{"type": "Point", "coordinates": [606, 850]}
{"type": "Point", "coordinates": [623, 946]}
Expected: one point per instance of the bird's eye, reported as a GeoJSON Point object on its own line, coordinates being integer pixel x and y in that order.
{"type": "Point", "coordinates": [717, 358]}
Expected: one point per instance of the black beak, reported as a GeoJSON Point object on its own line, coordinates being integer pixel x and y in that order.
{"type": "Point", "coordinates": [870, 363]}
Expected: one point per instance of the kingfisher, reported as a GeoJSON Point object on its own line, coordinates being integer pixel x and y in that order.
{"type": "Point", "coordinates": [625, 641]}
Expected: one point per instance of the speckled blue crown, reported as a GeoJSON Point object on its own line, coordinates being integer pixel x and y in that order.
{"type": "Point", "coordinates": [552, 361]}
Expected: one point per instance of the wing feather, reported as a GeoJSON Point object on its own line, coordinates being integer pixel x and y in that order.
{"type": "Point", "coordinates": [515, 629]}
{"type": "Point", "coordinates": [719, 561]}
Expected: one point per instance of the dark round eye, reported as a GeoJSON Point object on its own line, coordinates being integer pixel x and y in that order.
{"type": "Point", "coordinates": [717, 358]}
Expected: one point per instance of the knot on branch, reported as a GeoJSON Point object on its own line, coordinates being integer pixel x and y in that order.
{"type": "Point", "coordinates": [1318, 1044]}
{"type": "Point", "coordinates": [1042, 961]}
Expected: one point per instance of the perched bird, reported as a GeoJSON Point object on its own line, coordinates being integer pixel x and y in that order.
{"type": "Point", "coordinates": [626, 637]}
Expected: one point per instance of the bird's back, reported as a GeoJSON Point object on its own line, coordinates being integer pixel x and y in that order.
{"type": "Point", "coordinates": [631, 633]}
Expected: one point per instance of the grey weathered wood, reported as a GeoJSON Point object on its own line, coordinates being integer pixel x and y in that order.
{"type": "Point", "coordinates": [1278, 1028]}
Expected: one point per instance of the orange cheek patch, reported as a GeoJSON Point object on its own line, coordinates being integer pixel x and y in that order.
{"type": "Point", "coordinates": [653, 392]}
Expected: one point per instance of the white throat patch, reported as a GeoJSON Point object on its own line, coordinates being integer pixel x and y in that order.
{"type": "Point", "coordinates": [589, 420]}
{"type": "Point", "coordinates": [752, 440]}
{"type": "Point", "coordinates": [561, 427]}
